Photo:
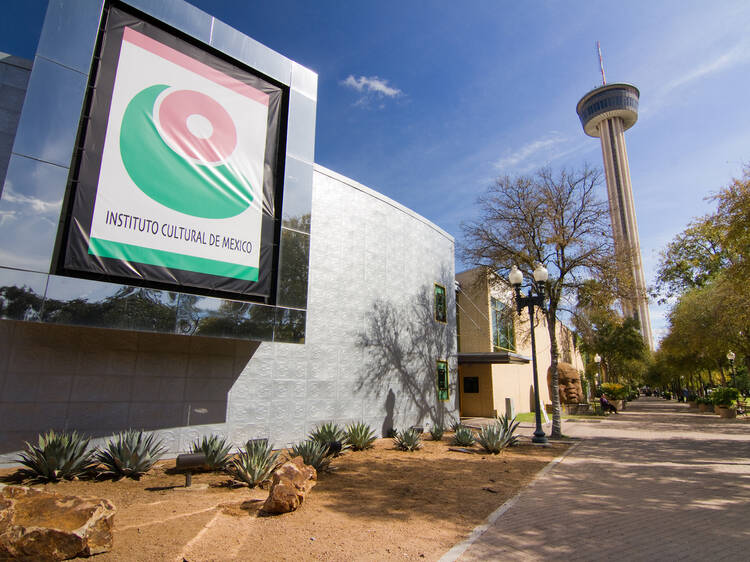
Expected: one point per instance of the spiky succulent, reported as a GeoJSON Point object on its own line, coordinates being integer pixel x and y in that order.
{"type": "Point", "coordinates": [464, 437]}
{"type": "Point", "coordinates": [332, 436]}
{"type": "Point", "coordinates": [216, 450]}
{"type": "Point", "coordinates": [360, 436]}
{"type": "Point", "coordinates": [456, 424]}
{"type": "Point", "coordinates": [408, 440]}
{"type": "Point", "coordinates": [436, 431]}
{"type": "Point", "coordinates": [56, 456]}
{"type": "Point", "coordinates": [255, 463]}
{"type": "Point", "coordinates": [509, 427]}
{"type": "Point", "coordinates": [130, 453]}
{"type": "Point", "coordinates": [495, 437]}
{"type": "Point", "coordinates": [314, 454]}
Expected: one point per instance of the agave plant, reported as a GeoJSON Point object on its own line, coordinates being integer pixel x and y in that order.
{"type": "Point", "coordinates": [56, 456]}
{"type": "Point", "coordinates": [436, 431]}
{"type": "Point", "coordinates": [314, 454]}
{"type": "Point", "coordinates": [332, 436]}
{"type": "Point", "coordinates": [359, 436]}
{"type": "Point", "coordinates": [216, 450]}
{"type": "Point", "coordinates": [464, 437]}
{"type": "Point", "coordinates": [255, 464]}
{"type": "Point", "coordinates": [509, 427]}
{"type": "Point", "coordinates": [131, 453]}
{"type": "Point", "coordinates": [496, 437]}
{"type": "Point", "coordinates": [456, 425]}
{"type": "Point", "coordinates": [408, 440]}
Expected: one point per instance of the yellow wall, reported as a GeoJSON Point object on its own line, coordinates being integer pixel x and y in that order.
{"type": "Point", "coordinates": [473, 310]}
{"type": "Point", "coordinates": [477, 404]}
{"type": "Point", "coordinates": [513, 380]}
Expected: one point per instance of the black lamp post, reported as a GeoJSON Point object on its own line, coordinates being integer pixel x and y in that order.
{"type": "Point", "coordinates": [731, 357]}
{"type": "Point", "coordinates": [530, 301]}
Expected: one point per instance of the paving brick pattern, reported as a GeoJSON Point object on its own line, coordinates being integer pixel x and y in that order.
{"type": "Point", "coordinates": [658, 482]}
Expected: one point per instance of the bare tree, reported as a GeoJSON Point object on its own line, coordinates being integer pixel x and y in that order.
{"type": "Point", "coordinates": [553, 218]}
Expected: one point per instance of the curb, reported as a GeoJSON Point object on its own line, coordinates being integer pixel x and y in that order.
{"type": "Point", "coordinates": [455, 552]}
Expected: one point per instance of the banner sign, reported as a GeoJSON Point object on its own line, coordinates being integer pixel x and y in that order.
{"type": "Point", "coordinates": [178, 178]}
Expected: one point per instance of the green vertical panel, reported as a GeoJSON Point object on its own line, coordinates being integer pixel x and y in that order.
{"type": "Point", "coordinates": [441, 309]}
{"type": "Point", "coordinates": [442, 381]}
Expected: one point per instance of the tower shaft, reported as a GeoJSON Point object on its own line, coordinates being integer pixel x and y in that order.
{"type": "Point", "coordinates": [607, 112]}
{"type": "Point", "coordinates": [622, 215]}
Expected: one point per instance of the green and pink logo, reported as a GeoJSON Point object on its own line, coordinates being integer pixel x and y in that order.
{"type": "Point", "coordinates": [177, 145]}
{"type": "Point", "coordinates": [181, 175]}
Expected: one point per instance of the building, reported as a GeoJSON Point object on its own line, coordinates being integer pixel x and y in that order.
{"type": "Point", "coordinates": [607, 112]}
{"type": "Point", "coordinates": [494, 344]}
{"type": "Point", "coordinates": [124, 304]}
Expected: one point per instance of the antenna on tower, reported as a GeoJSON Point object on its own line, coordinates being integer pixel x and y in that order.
{"type": "Point", "coordinates": [601, 64]}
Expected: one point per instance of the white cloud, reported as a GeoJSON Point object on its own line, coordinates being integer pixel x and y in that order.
{"type": "Point", "coordinates": [540, 152]}
{"type": "Point", "coordinates": [371, 84]}
{"type": "Point", "coordinates": [33, 203]}
{"type": "Point", "coordinates": [737, 55]}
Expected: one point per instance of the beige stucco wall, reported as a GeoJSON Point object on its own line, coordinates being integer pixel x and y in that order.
{"type": "Point", "coordinates": [508, 381]}
{"type": "Point", "coordinates": [473, 312]}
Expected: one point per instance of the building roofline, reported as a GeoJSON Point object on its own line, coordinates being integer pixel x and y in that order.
{"type": "Point", "coordinates": [372, 193]}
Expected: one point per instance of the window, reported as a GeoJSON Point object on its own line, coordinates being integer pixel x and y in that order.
{"type": "Point", "coordinates": [441, 308]}
{"type": "Point", "coordinates": [503, 333]}
{"type": "Point", "coordinates": [442, 381]}
{"type": "Point", "coordinates": [471, 385]}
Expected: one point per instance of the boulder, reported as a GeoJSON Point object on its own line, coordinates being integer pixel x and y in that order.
{"type": "Point", "coordinates": [291, 482]}
{"type": "Point", "coordinates": [38, 525]}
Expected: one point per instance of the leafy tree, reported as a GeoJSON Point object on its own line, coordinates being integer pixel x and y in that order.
{"type": "Point", "coordinates": [693, 258]}
{"type": "Point", "coordinates": [705, 272]}
{"type": "Point", "coordinates": [552, 218]}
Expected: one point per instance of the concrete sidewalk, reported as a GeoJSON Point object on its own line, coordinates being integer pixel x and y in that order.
{"type": "Point", "coordinates": [657, 482]}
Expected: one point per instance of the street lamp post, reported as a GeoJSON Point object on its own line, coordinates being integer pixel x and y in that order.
{"type": "Point", "coordinates": [731, 357]}
{"type": "Point", "coordinates": [598, 361]}
{"type": "Point", "coordinates": [529, 302]}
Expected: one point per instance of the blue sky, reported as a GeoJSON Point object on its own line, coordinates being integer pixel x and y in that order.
{"type": "Point", "coordinates": [428, 101]}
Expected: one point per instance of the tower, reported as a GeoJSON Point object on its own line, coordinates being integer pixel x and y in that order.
{"type": "Point", "coordinates": [607, 112]}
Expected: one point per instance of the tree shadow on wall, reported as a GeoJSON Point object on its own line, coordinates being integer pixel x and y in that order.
{"type": "Point", "coordinates": [402, 345]}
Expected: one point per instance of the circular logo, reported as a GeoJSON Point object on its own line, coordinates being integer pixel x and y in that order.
{"type": "Point", "coordinates": [177, 146]}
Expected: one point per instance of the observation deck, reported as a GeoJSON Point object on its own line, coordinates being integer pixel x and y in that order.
{"type": "Point", "coordinates": [611, 100]}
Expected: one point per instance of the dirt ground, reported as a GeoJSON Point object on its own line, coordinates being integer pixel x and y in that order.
{"type": "Point", "coordinates": [380, 504]}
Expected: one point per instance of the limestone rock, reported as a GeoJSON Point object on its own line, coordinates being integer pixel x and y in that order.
{"type": "Point", "coordinates": [291, 482]}
{"type": "Point", "coordinates": [38, 525]}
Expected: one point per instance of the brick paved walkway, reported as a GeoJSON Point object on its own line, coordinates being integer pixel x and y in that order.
{"type": "Point", "coordinates": [658, 482]}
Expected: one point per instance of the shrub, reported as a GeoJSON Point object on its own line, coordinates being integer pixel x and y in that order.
{"type": "Point", "coordinates": [614, 391]}
{"type": "Point", "coordinates": [314, 454]}
{"type": "Point", "coordinates": [725, 396]}
{"type": "Point", "coordinates": [332, 436]}
{"type": "Point", "coordinates": [216, 450]}
{"type": "Point", "coordinates": [436, 431]}
{"type": "Point", "coordinates": [360, 436]}
{"type": "Point", "coordinates": [255, 463]}
{"type": "Point", "coordinates": [131, 453]}
{"type": "Point", "coordinates": [464, 437]}
{"type": "Point", "coordinates": [455, 425]}
{"type": "Point", "coordinates": [56, 456]}
{"type": "Point", "coordinates": [408, 440]}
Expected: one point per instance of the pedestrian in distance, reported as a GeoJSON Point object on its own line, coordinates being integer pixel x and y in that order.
{"type": "Point", "coordinates": [607, 406]}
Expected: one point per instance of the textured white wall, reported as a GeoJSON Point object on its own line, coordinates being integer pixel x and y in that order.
{"type": "Point", "coordinates": [364, 248]}
{"type": "Point", "coordinates": [373, 264]}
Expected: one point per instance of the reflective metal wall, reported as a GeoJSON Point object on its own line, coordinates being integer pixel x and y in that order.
{"type": "Point", "coordinates": [371, 341]}
{"type": "Point", "coordinates": [39, 165]}
{"type": "Point", "coordinates": [352, 336]}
